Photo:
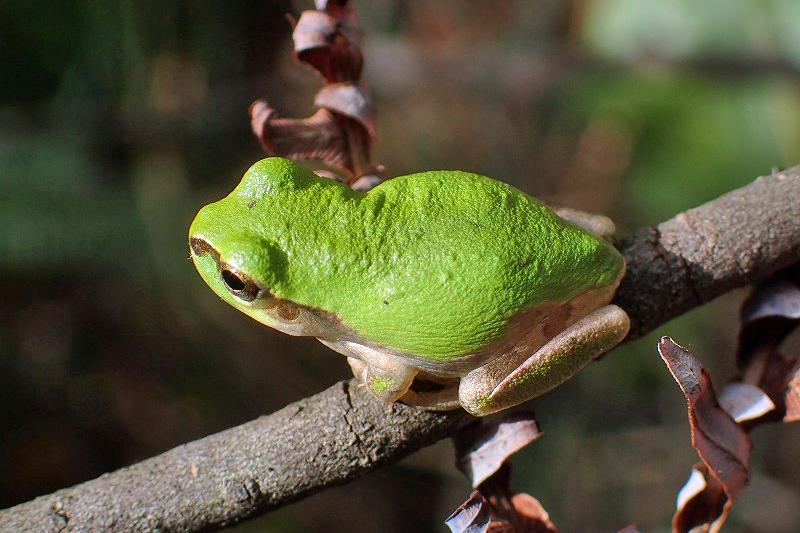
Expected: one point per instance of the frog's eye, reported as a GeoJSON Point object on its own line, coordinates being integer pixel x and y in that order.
{"type": "Point", "coordinates": [239, 285]}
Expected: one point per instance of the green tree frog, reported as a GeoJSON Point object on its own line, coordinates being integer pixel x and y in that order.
{"type": "Point", "coordinates": [481, 292]}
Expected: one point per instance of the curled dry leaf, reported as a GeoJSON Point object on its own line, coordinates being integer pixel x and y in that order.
{"type": "Point", "coordinates": [771, 371]}
{"type": "Point", "coordinates": [325, 5]}
{"type": "Point", "coordinates": [793, 396]}
{"type": "Point", "coordinates": [721, 443]}
{"type": "Point", "coordinates": [769, 315]}
{"type": "Point", "coordinates": [329, 45]}
{"type": "Point", "coordinates": [483, 448]}
{"type": "Point", "coordinates": [482, 453]}
{"type": "Point", "coordinates": [769, 389]}
{"type": "Point", "coordinates": [328, 174]}
{"type": "Point", "coordinates": [352, 109]}
{"type": "Point", "coordinates": [340, 134]}
{"type": "Point", "coordinates": [702, 502]}
{"type": "Point", "coordinates": [492, 508]}
{"type": "Point", "coordinates": [346, 17]}
{"type": "Point", "coordinates": [316, 137]}
{"type": "Point", "coordinates": [776, 297]}
{"type": "Point", "coordinates": [315, 29]}
{"type": "Point", "coordinates": [349, 100]}
{"type": "Point", "coordinates": [533, 513]}
{"type": "Point", "coordinates": [366, 182]}
{"type": "Point", "coordinates": [745, 402]}
{"type": "Point", "coordinates": [472, 516]}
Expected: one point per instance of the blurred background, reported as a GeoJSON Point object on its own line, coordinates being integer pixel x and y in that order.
{"type": "Point", "coordinates": [118, 120]}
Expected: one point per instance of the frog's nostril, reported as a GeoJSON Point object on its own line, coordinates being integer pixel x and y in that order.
{"type": "Point", "coordinates": [199, 246]}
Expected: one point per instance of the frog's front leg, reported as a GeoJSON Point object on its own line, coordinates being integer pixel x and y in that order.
{"type": "Point", "coordinates": [513, 378]}
{"type": "Point", "coordinates": [444, 399]}
{"type": "Point", "coordinates": [386, 376]}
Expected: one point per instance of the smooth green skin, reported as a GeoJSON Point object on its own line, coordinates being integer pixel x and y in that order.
{"type": "Point", "coordinates": [432, 264]}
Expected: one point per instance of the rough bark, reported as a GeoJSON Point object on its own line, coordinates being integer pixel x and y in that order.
{"type": "Point", "coordinates": [742, 236]}
{"type": "Point", "coordinates": [342, 433]}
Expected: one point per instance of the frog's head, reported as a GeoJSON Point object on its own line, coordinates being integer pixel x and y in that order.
{"type": "Point", "coordinates": [233, 244]}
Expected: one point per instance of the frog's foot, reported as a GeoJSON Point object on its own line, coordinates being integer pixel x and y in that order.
{"type": "Point", "coordinates": [397, 383]}
{"type": "Point", "coordinates": [387, 383]}
{"type": "Point", "coordinates": [600, 225]}
{"type": "Point", "coordinates": [513, 378]}
{"type": "Point", "coordinates": [383, 374]}
{"type": "Point", "coordinates": [441, 398]}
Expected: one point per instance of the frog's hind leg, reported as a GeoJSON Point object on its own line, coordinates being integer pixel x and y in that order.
{"type": "Point", "coordinates": [515, 378]}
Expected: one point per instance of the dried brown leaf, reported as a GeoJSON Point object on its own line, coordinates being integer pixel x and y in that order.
{"type": "Point", "coordinates": [493, 508]}
{"type": "Point", "coordinates": [323, 173]}
{"type": "Point", "coordinates": [793, 396]}
{"type": "Point", "coordinates": [366, 182]}
{"type": "Point", "coordinates": [533, 513]}
{"type": "Point", "coordinates": [328, 45]}
{"type": "Point", "coordinates": [745, 402]}
{"type": "Point", "coordinates": [319, 136]}
{"type": "Point", "coordinates": [777, 297]}
{"type": "Point", "coordinates": [702, 503]}
{"type": "Point", "coordinates": [720, 442]}
{"type": "Point", "coordinates": [341, 133]}
{"type": "Point", "coordinates": [769, 314]}
{"type": "Point", "coordinates": [349, 100]}
{"type": "Point", "coordinates": [472, 516]}
{"type": "Point", "coordinates": [324, 5]}
{"type": "Point", "coordinates": [314, 29]}
{"type": "Point", "coordinates": [483, 448]}
{"type": "Point", "coordinates": [517, 512]}
{"type": "Point", "coordinates": [347, 17]}
{"type": "Point", "coordinates": [771, 371]}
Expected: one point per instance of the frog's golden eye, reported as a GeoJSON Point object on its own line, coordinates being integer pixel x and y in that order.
{"type": "Point", "coordinates": [239, 285]}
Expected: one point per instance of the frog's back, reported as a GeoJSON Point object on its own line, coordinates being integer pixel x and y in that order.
{"type": "Point", "coordinates": [434, 264]}
{"type": "Point", "coordinates": [455, 255]}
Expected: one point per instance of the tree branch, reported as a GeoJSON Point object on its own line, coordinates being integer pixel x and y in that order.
{"type": "Point", "coordinates": [343, 433]}
{"type": "Point", "coordinates": [740, 237]}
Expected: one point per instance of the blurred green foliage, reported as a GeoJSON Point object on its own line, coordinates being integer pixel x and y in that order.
{"type": "Point", "coordinates": [119, 119]}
